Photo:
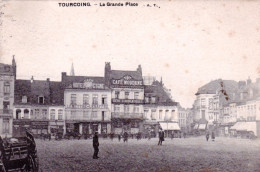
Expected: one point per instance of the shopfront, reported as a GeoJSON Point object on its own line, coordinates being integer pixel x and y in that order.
{"type": "Point", "coordinates": [39, 127]}
{"type": "Point", "coordinates": [20, 127]}
{"type": "Point", "coordinates": [56, 127]}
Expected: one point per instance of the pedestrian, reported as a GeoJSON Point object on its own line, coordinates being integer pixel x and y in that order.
{"type": "Point", "coordinates": [125, 137]}
{"type": "Point", "coordinates": [149, 136]}
{"type": "Point", "coordinates": [119, 137]}
{"type": "Point", "coordinates": [207, 136]}
{"type": "Point", "coordinates": [112, 136]}
{"type": "Point", "coordinates": [95, 146]}
{"type": "Point", "coordinates": [213, 136]}
{"type": "Point", "coordinates": [161, 137]}
{"type": "Point", "coordinates": [171, 136]}
{"type": "Point", "coordinates": [184, 135]}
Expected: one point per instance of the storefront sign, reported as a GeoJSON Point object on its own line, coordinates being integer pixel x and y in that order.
{"type": "Point", "coordinates": [128, 101]}
{"type": "Point", "coordinates": [39, 123]}
{"type": "Point", "coordinates": [127, 80]}
{"type": "Point", "coordinates": [87, 84]}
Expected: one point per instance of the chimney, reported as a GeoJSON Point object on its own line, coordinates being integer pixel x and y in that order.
{"type": "Point", "coordinates": [32, 80]}
{"type": "Point", "coordinates": [63, 75]}
{"type": "Point", "coordinates": [14, 67]}
{"type": "Point", "coordinates": [72, 73]}
{"type": "Point", "coordinates": [139, 69]}
{"type": "Point", "coordinates": [107, 72]}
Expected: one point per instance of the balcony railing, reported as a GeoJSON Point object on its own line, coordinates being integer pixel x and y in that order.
{"type": "Point", "coordinates": [127, 115]}
{"type": "Point", "coordinates": [88, 106]}
{"type": "Point", "coordinates": [80, 116]}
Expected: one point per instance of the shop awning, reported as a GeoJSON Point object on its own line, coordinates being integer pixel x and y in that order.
{"type": "Point", "coordinates": [202, 127]}
{"type": "Point", "coordinates": [245, 126]}
{"type": "Point", "coordinates": [196, 126]}
{"type": "Point", "coordinates": [169, 126]}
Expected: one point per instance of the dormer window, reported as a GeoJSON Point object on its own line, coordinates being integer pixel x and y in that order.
{"type": "Point", "coordinates": [24, 99]}
{"type": "Point", "coordinates": [41, 100]}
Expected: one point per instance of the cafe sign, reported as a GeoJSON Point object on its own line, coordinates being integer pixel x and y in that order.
{"type": "Point", "coordinates": [127, 80]}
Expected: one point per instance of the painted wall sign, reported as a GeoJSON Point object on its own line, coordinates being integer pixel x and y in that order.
{"type": "Point", "coordinates": [130, 101]}
{"type": "Point", "coordinates": [87, 84]}
{"type": "Point", "coordinates": [127, 80]}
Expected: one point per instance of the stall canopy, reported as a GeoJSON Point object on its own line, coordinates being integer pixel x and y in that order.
{"type": "Point", "coordinates": [245, 126]}
{"type": "Point", "coordinates": [202, 127]}
{"type": "Point", "coordinates": [169, 126]}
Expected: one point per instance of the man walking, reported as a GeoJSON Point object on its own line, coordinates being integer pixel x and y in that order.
{"type": "Point", "coordinates": [161, 137]}
{"type": "Point", "coordinates": [95, 145]}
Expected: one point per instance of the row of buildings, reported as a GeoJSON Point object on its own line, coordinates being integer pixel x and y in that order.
{"type": "Point", "coordinates": [230, 108]}
{"type": "Point", "coordinates": [120, 101]}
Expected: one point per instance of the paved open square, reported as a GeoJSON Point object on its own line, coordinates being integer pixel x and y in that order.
{"type": "Point", "coordinates": [189, 154]}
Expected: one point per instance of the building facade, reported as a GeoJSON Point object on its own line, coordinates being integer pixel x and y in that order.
{"type": "Point", "coordinates": [127, 90]}
{"type": "Point", "coordinates": [7, 82]}
{"type": "Point", "coordinates": [160, 112]}
{"type": "Point", "coordinates": [38, 107]}
{"type": "Point", "coordinates": [87, 103]}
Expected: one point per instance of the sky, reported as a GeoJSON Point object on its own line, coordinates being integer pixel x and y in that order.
{"type": "Point", "coordinates": [188, 43]}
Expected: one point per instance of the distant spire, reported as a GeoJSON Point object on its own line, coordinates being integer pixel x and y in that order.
{"type": "Point", "coordinates": [72, 70]}
{"type": "Point", "coordinates": [161, 81]}
{"type": "Point", "coordinates": [13, 61]}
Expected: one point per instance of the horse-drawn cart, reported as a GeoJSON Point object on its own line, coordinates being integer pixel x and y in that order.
{"type": "Point", "coordinates": [18, 154]}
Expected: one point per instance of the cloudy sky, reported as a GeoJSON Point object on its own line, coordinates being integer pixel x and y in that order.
{"type": "Point", "coordinates": [188, 43]}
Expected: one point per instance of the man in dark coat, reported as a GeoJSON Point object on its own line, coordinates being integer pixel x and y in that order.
{"type": "Point", "coordinates": [161, 137]}
{"type": "Point", "coordinates": [125, 137]}
{"type": "Point", "coordinates": [213, 136]}
{"type": "Point", "coordinates": [207, 136]}
{"type": "Point", "coordinates": [95, 146]}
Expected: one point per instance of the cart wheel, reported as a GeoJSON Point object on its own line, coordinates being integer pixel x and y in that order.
{"type": "Point", "coordinates": [32, 164]}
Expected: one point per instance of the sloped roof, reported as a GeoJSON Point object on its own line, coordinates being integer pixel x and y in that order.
{"type": "Point", "coordinates": [52, 92]}
{"type": "Point", "coordinates": [6, 69]}
{"type": "Point", "coordinates": [213, 86]}
{"type": "Point", "coordinates": [156, 90]}
{"type": "Point", "coordinates": [67, 80]}
{"type": "Point", "coordinates": [118, 74]}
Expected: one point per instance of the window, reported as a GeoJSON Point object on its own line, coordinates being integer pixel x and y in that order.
{"type": "Point", "coordinates": [73, 114]}
{"type": "Point", "coordinates": [103, 115]}
{"type": "Point", "coordinates": [6, 88]}
{"type": "Point", "coordinates": [73, 99]}
{"type": "Point", "coordinates": [167, 114]}
{"type": "Point", "coordinates": [95, 99]}
{"type": "Point", "coordinates": [44, 114]}
{"type": "Point", "coordinates": [173, 114]}
{"type": "Point", "coordinates": [136, 109]}
{"type": "Point", "coordinates": [60, 114]}
{"type": "Point", "coordinates": [86, 114]}
{"type": "Point", "coordinates": [85, 99]}
{"type": "Point", "coordinates": [126, 95]}
{"type": "Point", "coordinates": [41, 100]}
{"type": "Point", "coordinates": [52, 114]}
{"type": "Point", "coordinates": [146, 99]}
{"type": "Point", "coordinates": [24, 99]}
{"type": "Point", "coordinates": [6, 124]}
{"type": "Point", "coordinates": [6, 106]}
{"type": "Point", "coordinates": [37, 113]}
{"type": "Point", "coordinates": [94, 114]}
{"type": "Point", "coordinates": [136, 95]}
{"type": "Point", "coordinates": [26, 113]}
{"type": "Point", "coordinates": [104, 99]}
{"type": "Point", "coordinates": [160, 114]}
{"type": "Point", "coordinates": [146, 113]}
{"type": "Point", "coordinates": [117, 108]}
{"type": "Point", "coordinates": [153, 114]}
{"type": "Point", "coordinates": [153, 99]}
{"type": "Point", "coordinates": [117, 93]}
{"type": "Point", "coordinates": [126, 108]}
{"type": "Point", "coordinates": [203, 102]}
